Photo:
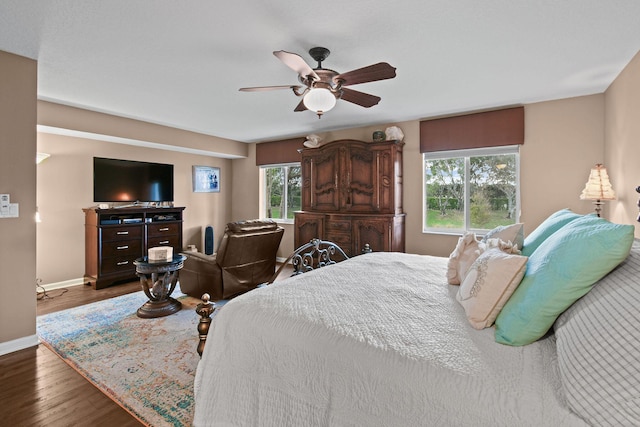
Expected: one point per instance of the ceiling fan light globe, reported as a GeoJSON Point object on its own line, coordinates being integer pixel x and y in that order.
{"type": "Point", "coordinates": [319, 100]}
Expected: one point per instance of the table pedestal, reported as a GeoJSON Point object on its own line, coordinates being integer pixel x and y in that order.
{"type": "Point", "coordinates": [158, 281]}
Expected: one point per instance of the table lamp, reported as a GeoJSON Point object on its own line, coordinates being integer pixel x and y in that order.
{"type": "Point", "coordinates": [598, 187]}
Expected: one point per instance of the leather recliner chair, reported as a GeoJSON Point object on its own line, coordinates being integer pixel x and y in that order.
{"type": "Point", "coordinates": [246, 258]}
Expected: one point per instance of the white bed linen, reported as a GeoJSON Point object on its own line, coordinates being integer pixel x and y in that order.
{"type": "Point", "coordinates": [378, 340]}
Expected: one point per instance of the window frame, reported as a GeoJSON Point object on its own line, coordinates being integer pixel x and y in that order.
{"type": "Point", "coordinates": [263, 191]}
{"type": "Point", "coordinates": [467, 154]}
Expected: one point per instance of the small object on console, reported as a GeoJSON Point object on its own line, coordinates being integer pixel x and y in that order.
{"type": "Point", "coordinates": [160, 254]}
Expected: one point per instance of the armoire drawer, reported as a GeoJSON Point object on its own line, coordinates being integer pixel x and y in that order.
{"type": "Point", "coordinates": [338, 225]}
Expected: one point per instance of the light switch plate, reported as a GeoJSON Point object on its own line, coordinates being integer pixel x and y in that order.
{"type": "Point", "coordinates": [4, 203]}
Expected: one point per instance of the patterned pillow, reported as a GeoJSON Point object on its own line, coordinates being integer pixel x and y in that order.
{"type": "Point", "coordinates": [561, 270]}
{"type": "Point", "coordinates": [598, 343]}
{"type": "Point", "coordinates": [513, 233]}
{"type": "Point", "coordinates": [465, 253]}
{"type": "Point", "coordinates": [488, 285]}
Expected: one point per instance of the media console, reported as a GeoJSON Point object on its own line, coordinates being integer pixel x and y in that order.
{"type": "Point", "coordinates": [115, 238]}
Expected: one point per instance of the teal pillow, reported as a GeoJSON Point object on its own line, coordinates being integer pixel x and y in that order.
{"type": "Point", "coordinates": [549, 226]}
{"type": "Point", "coordinates": [561, 270]}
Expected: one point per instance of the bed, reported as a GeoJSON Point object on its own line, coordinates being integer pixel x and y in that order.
{"type": "Point", "coordinates": [382, 339]}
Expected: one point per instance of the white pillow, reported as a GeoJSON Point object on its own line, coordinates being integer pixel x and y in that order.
{"type": "Point", "coordinates": [508, 247]}
{"type": "Point", "coordinates": [464, 254]}
{"type": "Point", "coordinates": [488, 285]}
{"type": "Point", "coordinates": [513, 233]}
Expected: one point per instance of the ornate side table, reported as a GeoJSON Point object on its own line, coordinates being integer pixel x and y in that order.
{"type": "Point", "coordinates": [158, 280]}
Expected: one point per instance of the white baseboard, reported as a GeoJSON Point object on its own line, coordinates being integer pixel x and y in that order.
{"type": "Point", "coordinates": [18, 344]}
{"type": "Point", "coordinates": [63, 284]}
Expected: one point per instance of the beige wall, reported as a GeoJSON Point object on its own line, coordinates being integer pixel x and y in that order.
{"type": "Point", "coordinates": [622, 147]}
{"type": "Point", "coordinates": [18, 87]}
{"type": "Point", "coordinates": [564, 139]}
{"type": "Point", "coordinates": [91, 122]}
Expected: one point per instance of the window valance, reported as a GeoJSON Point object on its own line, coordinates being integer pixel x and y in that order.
{"type": "Point", "coordinates": [477, 130]}
{"type": "Point", "coordinates": [279, 152]}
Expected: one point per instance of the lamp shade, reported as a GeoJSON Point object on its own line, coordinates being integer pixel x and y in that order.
{"type": "Point", "coordinates": [319, 100]}
{"type": "Point", "coordinates": [598, 186]}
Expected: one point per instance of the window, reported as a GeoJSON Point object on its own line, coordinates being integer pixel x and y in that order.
{"type": "Point", "coordinates": [471, 190]}
{"type": "Point", "coordinates": [280, 191]}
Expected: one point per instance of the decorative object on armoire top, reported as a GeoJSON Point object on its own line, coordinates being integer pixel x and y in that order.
{"type": "Point", "coordinates": [394, 133]}
{"type": "Point", "coordinates": [598, 187]}
{"type": "Point", "coordinates": [313, 141]}
{"type": "Point", "coordinates": [378, 136]}
{"type": "Point", "coordinates": [323, 87]}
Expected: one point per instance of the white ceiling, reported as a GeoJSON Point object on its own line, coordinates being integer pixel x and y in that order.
{"type": "Point", "coordinates": [181, 63]}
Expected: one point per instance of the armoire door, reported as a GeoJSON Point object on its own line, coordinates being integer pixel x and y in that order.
{"type": "Point", "coordinates": [359, 179]}
{"type": "Point", "coordinates": [308, 226]}
{"type": "Point", "coordinates": [320, 185]}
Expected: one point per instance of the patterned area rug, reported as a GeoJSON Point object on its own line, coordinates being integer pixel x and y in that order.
{"type": "Point", "coordinates": [145, 365]}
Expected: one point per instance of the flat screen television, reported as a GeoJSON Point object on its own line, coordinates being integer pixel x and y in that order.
{"type": "Point", "coordinates": [117, 180]}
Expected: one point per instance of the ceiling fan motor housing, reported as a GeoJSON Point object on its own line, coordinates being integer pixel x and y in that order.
{"type": "Point", "coordinates": [319, 54]}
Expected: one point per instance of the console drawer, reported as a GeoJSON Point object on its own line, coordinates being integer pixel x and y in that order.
{"type": "Point", "coordinates": [118, 264]}
{"type": "Point", "coordinates": [121, 233]}
{"type": "Point", "coordinates": [162, 229]}
{"type": "Point", "coordinates": [123, 248]}
{"type": "Point", "coordinates": [173, 241]}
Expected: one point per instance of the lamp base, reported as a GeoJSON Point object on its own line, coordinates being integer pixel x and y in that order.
{"type": "Point", "coordinates": [598, 204]}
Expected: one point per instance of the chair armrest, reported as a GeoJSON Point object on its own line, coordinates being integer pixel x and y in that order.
{"type": "Point", "coordinates": [199, 256]}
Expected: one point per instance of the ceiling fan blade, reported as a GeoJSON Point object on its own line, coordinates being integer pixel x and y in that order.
{"type": "Point", "coordinates": [266, 88]}
{"type": "Point", "coordinates": [372, 73]}
{"type": "Point", "coordinates": [296, 63]}
{"type": "Point", "coordinates": [300, 107]}
{"type": "Point", "coordinates": [359, 98]}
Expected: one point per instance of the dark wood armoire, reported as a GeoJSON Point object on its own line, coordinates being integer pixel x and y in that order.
{"type": "Point", "coordinates": [352, 196]}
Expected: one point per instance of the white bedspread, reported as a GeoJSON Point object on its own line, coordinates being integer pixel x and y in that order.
{"type": "Point", "coordinates": [378, 340]}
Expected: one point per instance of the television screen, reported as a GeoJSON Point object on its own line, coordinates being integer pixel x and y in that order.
{"type": "Point", "coordinates": [130, 181]}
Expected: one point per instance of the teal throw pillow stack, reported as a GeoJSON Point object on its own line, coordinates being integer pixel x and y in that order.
{"type": "Point", "coordinates": [560, 270]}
{"type": "Point", "coordinates": [549, 226]}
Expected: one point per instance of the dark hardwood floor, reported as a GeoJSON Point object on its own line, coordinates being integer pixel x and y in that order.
{"type": "Point", "coordinates": [38, 389]}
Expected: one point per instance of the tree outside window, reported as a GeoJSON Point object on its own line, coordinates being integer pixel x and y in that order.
{"type": "Point", "coordinates": [471, 190]}
{"type": "Point", "coordinates": [281, 191]}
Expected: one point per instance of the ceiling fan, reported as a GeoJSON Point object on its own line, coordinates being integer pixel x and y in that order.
{"type": "Point", "coordinates": [323, 87]}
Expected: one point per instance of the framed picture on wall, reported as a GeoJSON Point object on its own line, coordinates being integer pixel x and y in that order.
{"type": "Point", "coordinates": [206, 179]}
